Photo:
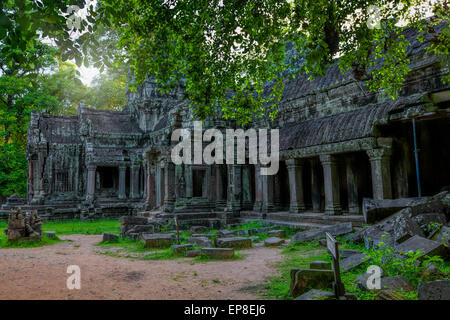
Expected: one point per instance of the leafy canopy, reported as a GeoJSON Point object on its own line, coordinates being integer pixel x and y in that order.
{"type": "Point", "coordinates": [231, 54]}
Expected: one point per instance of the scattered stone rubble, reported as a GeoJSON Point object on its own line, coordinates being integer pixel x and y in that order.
{"type": "Point", "coordinates": [23, 225]}
{"type": "Point", "coordinates": [404, 224]}
{"type": "Point", "coordinates": [409, 228]}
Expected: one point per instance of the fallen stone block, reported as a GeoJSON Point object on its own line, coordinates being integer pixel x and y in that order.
{"type": "Point", "coordinates": [198, 229]}
{"type": "Point", "coordinates": [428, 247]}
{"type": "Point", "coordinates": [427, 205]}
{"type": "Point", "coordinates": [404, 227]}
{"type": "Point", "coordinates": [234, 242]}
{"type": "Point", "coordinates": [425, 219]}
{"type": "Point", "coordinates": [157, 240]}
{"type": "Point", "coordinates": [192, 253]}
{"type": "Point", "coordinates": [263, 229]}
{"type": "Point", "coordinates": [52, 235]}
{"type": "Point", "coordinates": [308, 235]}
{"type": "Point", "coordinates": [203, 235]}
{"type": "Point", "coordinates": [304, 279]}
{"type": "Point", "coordinates": [443, 236]}
{"type": "Point", "coordinates": [313, 234]}
{"type": "Point", "coordinates": [277, 233]}
{"type": "Point", "coordinates": [352, 262]}
{"type": "Point", "coordinates": [434, 290]}
{"type": "Point", "coordinates": [225, 234]}
{"type": "Point", "coordinates": [320, 265]}
{"type": "Point", "coordinates": [218, 253]}
{"type": "Point", "coordinates": [241, 232]}
{"type": "Point", "coordinates": [181, 248]}
{"type": "Point", "coordinates": [377, 210]}
{"type": "Point", "coordinates": [361, 281]}
{"type": "Point", "coordinates": [202, 242]}
{"type": "Point", "coordinates": [254, 239]}
{"type": "Point", "coordinates": [396, 283]}
{"type": "Point", "coordinates": [345, 253]}
{"type": "Point", "coordinates": [109, 237]}
{"type": "Point", "coordinates": [273, 242]}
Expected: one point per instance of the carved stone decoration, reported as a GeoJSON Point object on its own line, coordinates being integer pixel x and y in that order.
{"type": "Point", "coordinates": [24, 225]}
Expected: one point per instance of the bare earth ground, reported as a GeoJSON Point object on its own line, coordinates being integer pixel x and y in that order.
{"type": "Point", "coordinates": [41, 273]}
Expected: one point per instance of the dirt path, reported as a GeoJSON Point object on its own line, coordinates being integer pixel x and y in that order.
{"type": "Point", "coordinates": [41, 273]}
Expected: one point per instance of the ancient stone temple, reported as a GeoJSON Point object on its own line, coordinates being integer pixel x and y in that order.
{"type": "Point", "coordinates": [339, 144]}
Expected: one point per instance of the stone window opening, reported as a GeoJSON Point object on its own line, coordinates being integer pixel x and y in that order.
{"type": "Point", "coordinates": [108, 178]}
{"type": "Point", "coordinates": [62, 182]}
{"type": "Point", "coordinates": [198, 181]}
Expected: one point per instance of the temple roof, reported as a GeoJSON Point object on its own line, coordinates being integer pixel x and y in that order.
{"type": "Point", "coordinates": [355, 124]}
{"type": "Point", "coordinates": [62, 130]}
{"type": "Point", "coordinates": [111, 121]}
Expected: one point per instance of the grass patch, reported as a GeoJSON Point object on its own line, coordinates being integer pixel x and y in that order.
{"type": "Point", "coordinates": [45, 241]}
{"type": "Point", "coordinates": [78, 227]}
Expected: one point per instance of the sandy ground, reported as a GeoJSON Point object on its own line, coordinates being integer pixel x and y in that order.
{"type": "Point", "coordinates": [41, 273]}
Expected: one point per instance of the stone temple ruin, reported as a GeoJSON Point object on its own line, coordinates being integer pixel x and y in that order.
{"type": "Point", "coordinates": [339, 144]}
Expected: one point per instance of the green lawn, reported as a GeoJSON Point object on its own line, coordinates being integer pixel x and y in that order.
{"type": "Point", "coordinates": [63, 228]}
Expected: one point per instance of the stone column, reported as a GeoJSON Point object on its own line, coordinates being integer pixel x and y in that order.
{"type": "Point", "coordinates": [258, 189]}
{"type": "Point", "coordinates": [246, 188]}
{"type": "Point", "coordinates": [134, 181]}
{"type": "Point", "coordinates": [90, 189]}
{"type": "Point", "coordinates": [235, 187]}
{"type": "Point", "coordinates": [352, 185]}
{"type": "Point", "coordinates": [169, 186]}
{"type": "Point", "coordinates": [220, 201]}
{"type": "Point", "coordinates": [267, 193]}
{"type": "Point", "coordinates": [122, 181]}
{"type": "Point", "coordinates": [295, 170]}
{"type": "Point", "coordinates": [331, 182]}
{"type": "Point", "coordinates": [151, 193]}
{"type": "Point", "coordinates": [381, 172]}
{"type": "Point", "coordinates": [315, 185]}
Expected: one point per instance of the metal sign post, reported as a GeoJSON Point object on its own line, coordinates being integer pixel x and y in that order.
{"type": "Point", "coordinates": [332, 246]}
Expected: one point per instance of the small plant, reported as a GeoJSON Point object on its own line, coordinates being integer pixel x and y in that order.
{"type": "Point", "coordinates": [432, 227]}
{"type": "Point", "coordinates": [408, 264]}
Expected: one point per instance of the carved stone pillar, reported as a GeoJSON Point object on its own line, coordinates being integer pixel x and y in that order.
{"type": "Point", "coordinates": [122, 181]}
{"type": "Point", "coordinates": [331, 182]}
{"type": "Point", "coordinates": [267, 193]}
{"type": "Point", "coordinates": [169, 186]}
{"type": "Point", "coordinates": [246, 188]}
{"type": "Point", "coordinates": [134, 181]}
{"type": "Point", "coordinates": [151, 192]}
{"type": "Point", "coordinates": [90, 189]}
{"type": "Point", "coordinates": [220, 200]}
{"type": "Point", "coordinates": [295, 170]}
{"type": "Point", "coordinates": [315, 185]}
{"type": "Point", "coordinates": [235, 187]}
{"type": "Point", "coordinates": [258, 189]}
{"type": "Point", "coordinates": [381, 172]}
{"type": "Point", "coordinates": [352, 185]}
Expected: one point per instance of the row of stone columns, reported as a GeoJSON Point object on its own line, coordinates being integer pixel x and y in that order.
{"type": "Point", "coordinates": [134, 182]}
{"type": "Point", "coordinates": [381, 182]}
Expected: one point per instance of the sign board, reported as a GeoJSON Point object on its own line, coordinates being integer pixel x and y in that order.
{"type": "Point", "coordinates": [332, 246]}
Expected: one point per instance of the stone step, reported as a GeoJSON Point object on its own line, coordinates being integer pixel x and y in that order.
{"type": "Point", "coordinates": [316, 218]}
{"type": "Point", "coordinates": [295, 225]}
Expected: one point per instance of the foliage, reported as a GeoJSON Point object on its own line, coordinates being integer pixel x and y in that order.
{"type": "Point", "coordinates": [408, 264]}
{"type": "Point", "coordinates": [225, 53]}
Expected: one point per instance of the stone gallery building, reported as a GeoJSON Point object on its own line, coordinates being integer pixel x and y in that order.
{"type": "Point", "coordinates": [339, 143]}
